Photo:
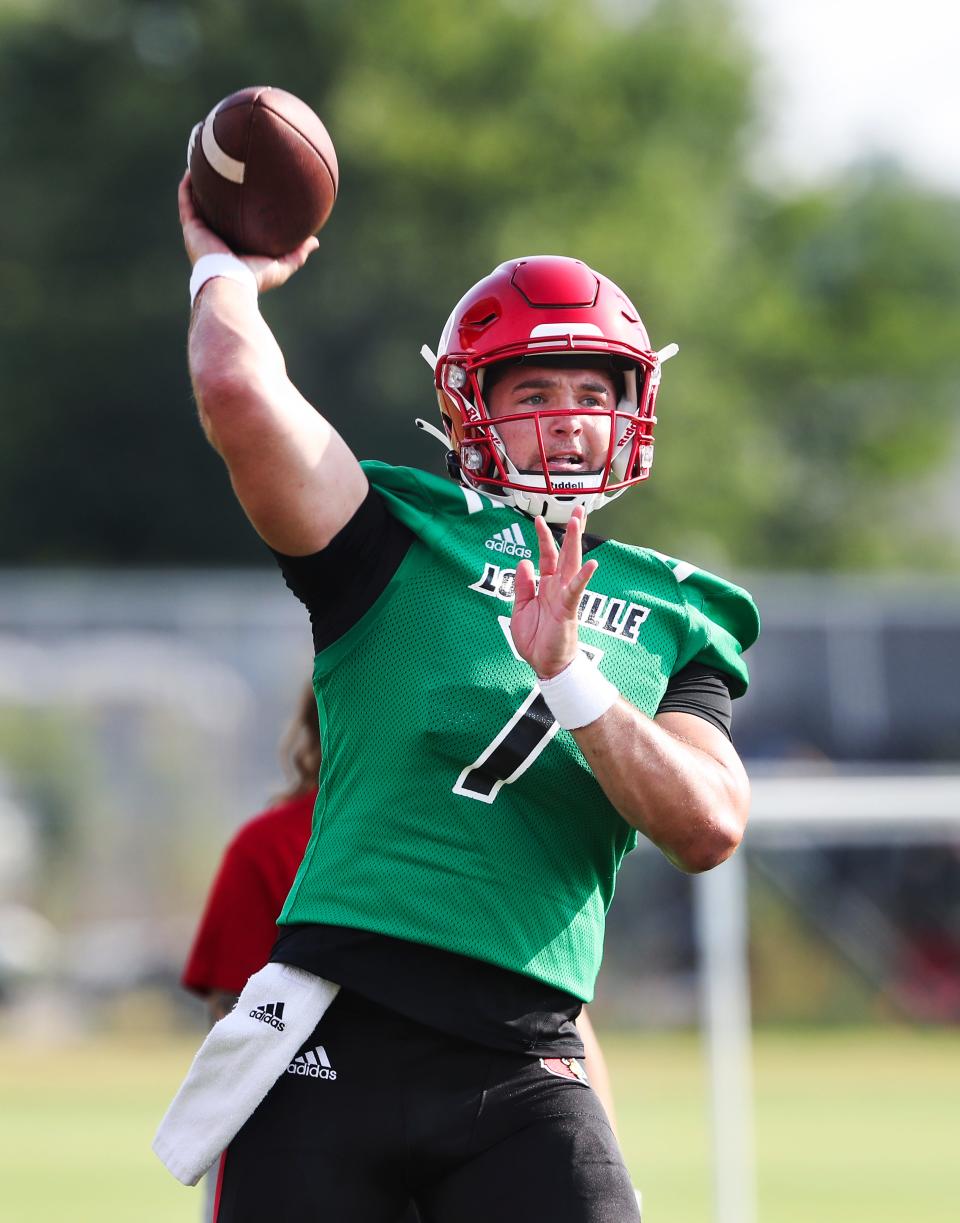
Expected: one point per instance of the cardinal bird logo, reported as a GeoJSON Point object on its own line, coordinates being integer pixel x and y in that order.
{"type": "Point", "coordinates": [565, 1068]}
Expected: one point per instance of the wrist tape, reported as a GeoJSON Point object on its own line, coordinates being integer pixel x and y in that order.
{"type": "Point", "coordinates": [229, 266]}
{"type": "Point", "coordinates": [579, 694]}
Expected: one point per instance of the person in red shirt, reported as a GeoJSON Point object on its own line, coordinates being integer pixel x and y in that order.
{"type": "Point", "coordinates": [238, 926]}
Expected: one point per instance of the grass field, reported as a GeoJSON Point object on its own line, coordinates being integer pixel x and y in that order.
{"type": "Point", "coordinates": [854, 1126]}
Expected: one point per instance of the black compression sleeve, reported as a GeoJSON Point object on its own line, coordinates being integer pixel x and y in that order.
{"type": "Point", "coordinates": [702, 691]}
{"type": "Point", "coordinates": [343, 581]}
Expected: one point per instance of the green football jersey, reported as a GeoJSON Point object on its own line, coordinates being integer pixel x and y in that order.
{"type": "Point", "coordinates": [453, 811]}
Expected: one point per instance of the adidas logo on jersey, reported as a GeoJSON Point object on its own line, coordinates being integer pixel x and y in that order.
{"type": "Point", "coordinates": [271, 1013]}
{"type": "Point", "coordinates": [510, 542]}
{"type": "Point", "coordinates": [314, 1064]}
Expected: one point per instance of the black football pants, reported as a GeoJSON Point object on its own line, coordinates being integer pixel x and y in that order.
{"type": "Point", "coordinates": [377, 1111]}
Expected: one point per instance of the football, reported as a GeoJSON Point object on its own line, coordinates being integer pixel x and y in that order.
{"type": "Point", "coordinates": [263, 171]}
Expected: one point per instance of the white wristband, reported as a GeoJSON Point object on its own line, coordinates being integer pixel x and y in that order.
{"type": "Point", "coordinates": [229, 266]}
{"type": "Point", "coordinates": [579, 694]}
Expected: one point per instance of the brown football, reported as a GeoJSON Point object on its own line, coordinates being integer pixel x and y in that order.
{"type": "Point", "coordinates": [263, 170]}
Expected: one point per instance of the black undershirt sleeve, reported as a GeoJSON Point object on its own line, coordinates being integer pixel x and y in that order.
{"type": "Point", "coordinates": [702, 691]}
{"type": "Point", "coordinates": [339, 584]}
{"type": "Point", "coordinates": [342, 582]}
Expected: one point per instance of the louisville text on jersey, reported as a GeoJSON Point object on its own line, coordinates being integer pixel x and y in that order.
{"type": "Point", "coordinates": [615, 617]}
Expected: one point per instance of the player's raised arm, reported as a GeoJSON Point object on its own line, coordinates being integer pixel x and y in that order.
{"type": "Point", "coordinates": [294, 475]}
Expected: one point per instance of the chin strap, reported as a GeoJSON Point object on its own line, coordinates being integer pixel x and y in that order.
{"type": "Point", "coordinates": [426, 426]}
{"type": "Point", "coordinates": [453, 460]}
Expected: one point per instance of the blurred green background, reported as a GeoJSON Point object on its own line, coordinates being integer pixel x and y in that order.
{"type": "Point", "coordinates": [805, 424]}
{"type": "Point", "coordinates": [808, 446]}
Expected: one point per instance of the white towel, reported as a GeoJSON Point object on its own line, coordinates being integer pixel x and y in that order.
{"type": "Point", "coordinates": [242, 1057]}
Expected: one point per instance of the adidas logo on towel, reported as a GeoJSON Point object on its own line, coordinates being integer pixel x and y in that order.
{"type": "Point", "coordinates": [509, 541]}
{"type": "Point", "coordinates": [314, 1064]}
{"type": "Point", "coordinates": [271, 1013]}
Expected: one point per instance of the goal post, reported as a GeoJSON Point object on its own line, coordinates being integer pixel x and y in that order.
{"type": "Point", "coordinates": [863, 806]}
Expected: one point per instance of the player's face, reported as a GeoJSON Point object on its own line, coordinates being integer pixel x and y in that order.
{"type": "Point", "coordinates": [575, 441]}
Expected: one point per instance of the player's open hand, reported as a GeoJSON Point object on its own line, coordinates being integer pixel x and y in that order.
{"type": "Point", "coordinates": [544, 622]}
{"type": "Point", "coordinates": [199, 239]}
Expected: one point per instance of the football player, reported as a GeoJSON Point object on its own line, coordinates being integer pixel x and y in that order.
{"type": "Point", "coordinates": [506, 704]}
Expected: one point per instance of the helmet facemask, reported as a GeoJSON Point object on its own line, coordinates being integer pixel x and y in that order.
{"type": "Point", "coordinates": [484, 455]}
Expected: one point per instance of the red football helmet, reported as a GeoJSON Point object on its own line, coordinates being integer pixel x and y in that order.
{"type": "Point", "coordinates": [546, 307]}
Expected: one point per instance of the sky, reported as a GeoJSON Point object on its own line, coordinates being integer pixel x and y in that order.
{"type": "Point", "coordinates": [847, 79]}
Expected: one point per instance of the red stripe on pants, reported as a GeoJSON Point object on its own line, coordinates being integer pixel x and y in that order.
{"type": "Point", "coordinates": [216, 1196]}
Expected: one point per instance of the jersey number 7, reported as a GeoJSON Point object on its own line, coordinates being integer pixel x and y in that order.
{"type": "Point", "coordinates": [518, 744]}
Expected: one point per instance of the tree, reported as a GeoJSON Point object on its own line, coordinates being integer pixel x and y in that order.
{"type": "Point", "coordinates": [467, 134]}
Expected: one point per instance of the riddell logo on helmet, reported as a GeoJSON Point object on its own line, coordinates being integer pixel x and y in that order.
{"type": "Point", "coordinates": [510, 542]}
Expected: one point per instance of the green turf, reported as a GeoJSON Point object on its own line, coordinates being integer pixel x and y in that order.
{"type": "Point", "coordinates": [853, 1127]}
{"type": "Point", "coordinates": [76, 1122]}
